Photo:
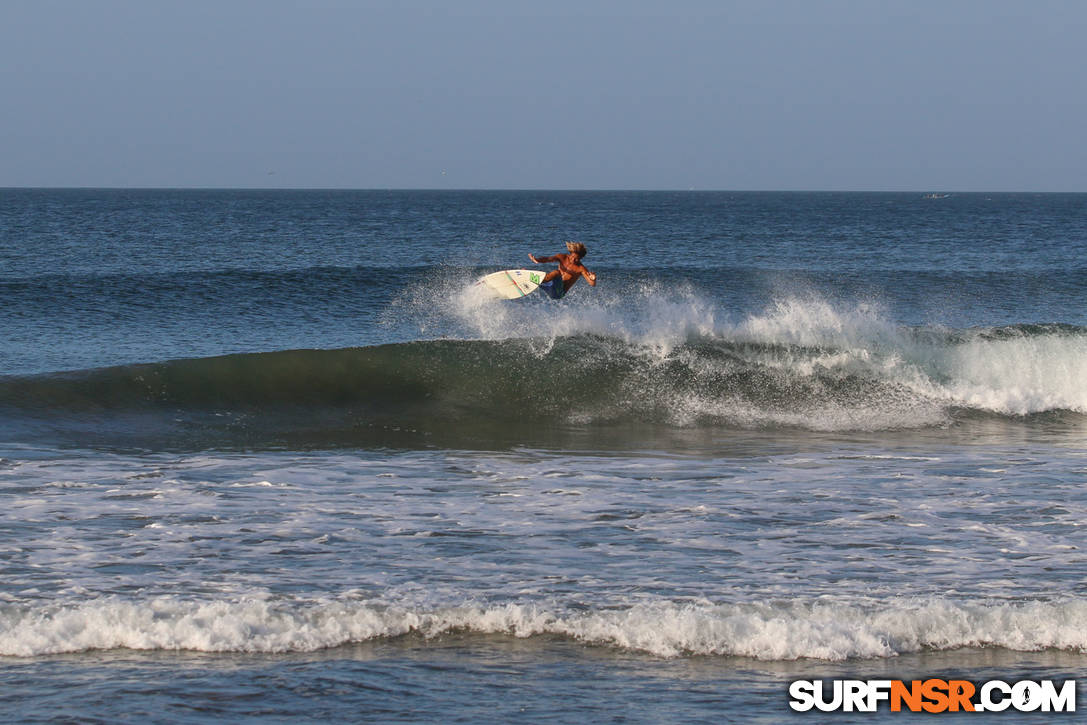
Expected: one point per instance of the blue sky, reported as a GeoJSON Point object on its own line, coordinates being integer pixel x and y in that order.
{"type": "Point", "coordinates": [983, 95]}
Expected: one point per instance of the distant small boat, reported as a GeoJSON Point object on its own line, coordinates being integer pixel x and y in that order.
{"type": "Point", "coordinates": [935, 196]}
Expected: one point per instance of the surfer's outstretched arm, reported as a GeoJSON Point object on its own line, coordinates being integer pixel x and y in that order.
{"type": "Point", "coordinates": [542, 260]}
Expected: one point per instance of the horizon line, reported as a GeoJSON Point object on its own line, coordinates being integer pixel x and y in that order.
{"type": "Point", "coordinates": [536, 189]}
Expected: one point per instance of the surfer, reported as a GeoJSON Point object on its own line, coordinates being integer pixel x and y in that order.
{"type": "Point", "coordinates": [558, 282]}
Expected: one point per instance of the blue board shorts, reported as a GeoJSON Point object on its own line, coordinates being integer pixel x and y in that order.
{"type": "Point", "coordinates": [554, 289]}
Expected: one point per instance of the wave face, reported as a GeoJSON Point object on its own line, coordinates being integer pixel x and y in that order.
{"type": "Point", "coordinates": [800, 366]}
{"type": "Point", "coordinates": [782, 630]}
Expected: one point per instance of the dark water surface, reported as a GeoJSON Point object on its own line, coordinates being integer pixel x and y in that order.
{"type": "Point", "coordinates": [269, 454]}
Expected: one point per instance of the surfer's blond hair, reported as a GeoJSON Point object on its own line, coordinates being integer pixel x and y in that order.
{"type": "Point", "coordinates": [577, 248]}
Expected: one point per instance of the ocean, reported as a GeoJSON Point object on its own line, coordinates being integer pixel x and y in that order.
{"type": "Point", "coordinates": [270, 455]}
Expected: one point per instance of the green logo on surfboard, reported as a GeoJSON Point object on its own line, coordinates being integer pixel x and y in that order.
{"type": "Point", "coordinates": [534, 278]}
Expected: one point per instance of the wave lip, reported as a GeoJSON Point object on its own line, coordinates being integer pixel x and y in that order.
{"type": "Point", "coordinates": [775, 631]}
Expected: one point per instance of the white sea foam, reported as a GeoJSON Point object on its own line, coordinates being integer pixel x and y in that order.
{"type": "Point", "coordinates": [925, 372]}
{"type": "Point", "coordinates": [819, 629]}
{"type": "Point", "coordinates": [1017, 374]}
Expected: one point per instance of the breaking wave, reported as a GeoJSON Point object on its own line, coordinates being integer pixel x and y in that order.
{"type": "Point", "coordinates": [781, 630]}
{"type": "Point", "coordinates": [801, 365]}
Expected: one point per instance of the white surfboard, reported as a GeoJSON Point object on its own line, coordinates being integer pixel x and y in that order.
{"type": "Point", "coordinates": [512, 284]}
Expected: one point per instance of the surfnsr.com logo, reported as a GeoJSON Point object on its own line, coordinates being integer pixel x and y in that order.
{"type": "Point", "coordinates": [932, 695]}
